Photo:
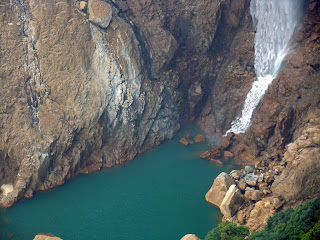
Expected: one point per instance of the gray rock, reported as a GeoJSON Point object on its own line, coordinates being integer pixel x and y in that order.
{"type": "Point", "coordinates": [249, 169]}
{"type": "Point", "coordinates": [251, 179]}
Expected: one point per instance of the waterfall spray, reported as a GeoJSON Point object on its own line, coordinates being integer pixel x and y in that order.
{"type": "Point", "coordinates": [275, 22]}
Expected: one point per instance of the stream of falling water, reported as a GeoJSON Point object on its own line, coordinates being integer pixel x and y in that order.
{"type": "Point", "coordinates": [275, 21]}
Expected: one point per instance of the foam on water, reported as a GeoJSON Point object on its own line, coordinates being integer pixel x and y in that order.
{"type": "Point", "coordinates": [275, 21]}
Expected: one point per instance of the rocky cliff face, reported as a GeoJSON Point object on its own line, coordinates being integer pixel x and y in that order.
{"type": "Point", "coordinates": [283, 140]}
{"type": "Point", "coordinates": [86, 85]}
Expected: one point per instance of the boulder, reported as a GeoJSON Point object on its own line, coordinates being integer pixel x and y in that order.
{"type": "Point", "coordinates": [251, 179]}
{"type": "Point", "coordinates": [83, 5]}
{"type": "Point", "coordinates": [248, 192]}
{"type": "Point", "coordinates": [199, 138]}
{"type": "Point", "coordinates": [236, 174]}
{"type": "Point", "coordinates": [219, 189]}
{"type": "Point", "coordinates": [230, 136]}
{"type": "Point", "coordinates": [256, 195]}
{"type": "Point", "coordinates": [241, 185]}
{"type": "Point", "coordinates": [190, 237]}
{"type": "Point", "coordinates": [269, 178]}
{"type": "Point", "coordinates": [240, 217]}
{"type": "Point", "coordinates": [184, 141]}
{"type": "Point", "coordinates": [231, 202]}
{"type": "Point", "coordinates": [238, 137]}
{"type": "Point", "coordinates": [249, 169]}
{"type": "Point", "coordinates": [42, 236]}
{"type": "Point", "coordinates": [261, 212]}
{"type": "Point", "coordinates": [228, 155]}
{"type": "Point", "coordinates": [100, 13]}
{"type": "Point", "coordinates": [216, 152]}
{"type": "Point", "coordinates": [206, 155]}
{"type": "Point", "coordinates": [225, 143]}
{"type": "Point", "coordinates": [262, 185]}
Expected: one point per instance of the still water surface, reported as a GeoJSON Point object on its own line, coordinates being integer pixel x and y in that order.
{"type": "Point", "coordinates": [157, 196]}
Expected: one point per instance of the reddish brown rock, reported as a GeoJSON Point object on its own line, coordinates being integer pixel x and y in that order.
{"type": "Point", "coordinates": [238, 137]}
{"type": "Point", "coordinates": [284, 111]}
{"type": "Point", "coordinates": [206, 155]}
{"type": "Point", "coordinates": [228, 155]}
{"type": "Point", "coordinates": [42, 236]}
{"type": "Point", "coordinates": [184, 141]}
{"type": "Point", "coordinates": [225, 143]}
{"type": "Point", "coordinates": [199, 138]}
{"type": "Point", "coordinates": [216, 152]}
{"type": "Point", "coordinates": [228, 95]}
{"type": "Point", "coordinates": [230, 136]}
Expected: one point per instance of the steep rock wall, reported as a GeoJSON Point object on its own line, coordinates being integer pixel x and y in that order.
{"type": "Point", "coordinates": [283, 141]}
{"type": "Point", "coordinates": [81, 90]}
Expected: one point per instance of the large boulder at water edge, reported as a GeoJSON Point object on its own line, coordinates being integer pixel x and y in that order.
{"type": "Point", "coordinates": [231, 202]}
{"type": "Point", "coordinates": [190, 237]}
{"type": "Point", "coordinates": [219, 189]}
{"type": "Point", "coordinates": [199, 138]}
{"type": "Point", "coordinates": [42, 236]}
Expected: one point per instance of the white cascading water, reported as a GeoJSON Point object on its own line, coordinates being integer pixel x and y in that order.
{"type": "Point", "coordinates": [275, 22]}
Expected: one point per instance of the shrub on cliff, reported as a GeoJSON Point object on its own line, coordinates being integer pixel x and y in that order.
{"type": "Point", "coordinates": [291, 224]}
{"type": "Point", "coordinates": [313, 234]}
{"type": "Point", "coordinates": [302, 223]}
{"type": "Point", "coordinates": [228, 231]}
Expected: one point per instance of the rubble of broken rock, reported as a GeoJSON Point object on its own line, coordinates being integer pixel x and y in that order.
{"type": "Point", "coordinates": [245, 197]}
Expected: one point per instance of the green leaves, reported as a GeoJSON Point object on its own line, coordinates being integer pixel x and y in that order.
{"type": "Point", "coordinates": [302, 223]}
{"type": "Point", "coordinates": [228, 231]}
{"type": "Point", "coordinates": [290, 224]}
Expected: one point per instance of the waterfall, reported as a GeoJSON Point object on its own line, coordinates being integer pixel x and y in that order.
{"type": "Point", "coordinates": [275, 22]}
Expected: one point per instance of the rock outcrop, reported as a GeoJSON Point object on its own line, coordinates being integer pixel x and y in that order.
{"type": "Point", "coordinates": [261, 191]}
{"type": "Point", "coordinates": [283, 140]}
{"type": "Point", "coordinates": [249, 199]}
{"type": "Point", "coordinates": [301, 177]}
{"type": "Point", "coordinates": [85, 86]}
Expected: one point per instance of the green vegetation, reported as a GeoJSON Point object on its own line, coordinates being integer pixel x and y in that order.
{"type": "Point", "coordinates": [302, 223]}
{"type": "Point", "coordinates": [313, 234]}
{"type": "Point", "coordinates": [228, 231]}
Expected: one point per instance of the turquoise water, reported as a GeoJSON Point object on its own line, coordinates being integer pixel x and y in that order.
{"type": "Point", "coordinates": [157, 196]}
